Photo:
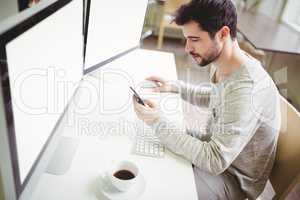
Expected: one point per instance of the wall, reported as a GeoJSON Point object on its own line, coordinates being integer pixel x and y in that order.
{"type": "Point", "coordinates": [8, 8]}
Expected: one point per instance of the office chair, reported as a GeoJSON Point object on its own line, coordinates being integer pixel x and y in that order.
{"type": "Point", "coordinates": [286, 171]}
{"type": "Point", "coordinates": [169, 7]}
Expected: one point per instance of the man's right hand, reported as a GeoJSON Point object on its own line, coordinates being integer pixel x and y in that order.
{"type": "Point", "coordinates": [163, 85]}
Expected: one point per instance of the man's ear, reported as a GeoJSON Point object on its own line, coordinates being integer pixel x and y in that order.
{"type": "Point", "coordinates": [224, 32]}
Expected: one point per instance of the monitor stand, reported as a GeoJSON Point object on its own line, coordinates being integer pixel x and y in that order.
{"type": "Point", "coordinates": [63, 156]}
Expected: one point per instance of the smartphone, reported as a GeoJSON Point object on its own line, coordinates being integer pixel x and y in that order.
{"type": "Point", "coordinates": [138, 98]}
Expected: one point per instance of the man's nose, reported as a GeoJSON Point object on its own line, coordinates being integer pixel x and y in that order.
{"type": "Point", "coordinates": [188, 47]}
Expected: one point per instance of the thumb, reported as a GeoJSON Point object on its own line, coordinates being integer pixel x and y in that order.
{"type": "Point", "coordinates": [155, 79]}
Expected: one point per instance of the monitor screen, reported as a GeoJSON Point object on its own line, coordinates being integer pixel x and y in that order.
{"type": "Point", "coordinates": [44, 65]}
{"type": "Point", "coordinates": [114, 27]}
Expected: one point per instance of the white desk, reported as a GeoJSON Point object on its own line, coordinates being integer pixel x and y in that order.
{"type": "Point", "coordinates": [103, 137]}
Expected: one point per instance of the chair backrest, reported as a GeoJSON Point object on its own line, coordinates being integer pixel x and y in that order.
{"type": "Point", "coordinates": [286, 171]}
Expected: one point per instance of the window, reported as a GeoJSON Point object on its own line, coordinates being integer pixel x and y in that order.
{"type": "Point", "coordinates": [291, 14]}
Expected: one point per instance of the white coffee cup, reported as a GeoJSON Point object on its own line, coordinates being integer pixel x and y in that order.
{"type": "Point", "coordinates": [123, 174]}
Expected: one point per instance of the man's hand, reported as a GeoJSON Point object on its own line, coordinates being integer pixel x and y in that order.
{"type": "Point", "coordinates": [163, 85]}
{"type": "Point", "coordinates": [149, 113]}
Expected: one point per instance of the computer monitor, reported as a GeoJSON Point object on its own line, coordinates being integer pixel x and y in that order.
{"type": "Point", "coordinates": [114, 28]}
{"type": "Point", "coordinates": [41, 67]}
{"type": "Point", "coordinates": [41, 52]}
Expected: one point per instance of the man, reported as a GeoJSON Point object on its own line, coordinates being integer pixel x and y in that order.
{"type": "Point", "coordinates": [237, 158]}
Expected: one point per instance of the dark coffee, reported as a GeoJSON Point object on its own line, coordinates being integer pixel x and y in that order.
{"type": "Point", "coordinates": [124, 174]}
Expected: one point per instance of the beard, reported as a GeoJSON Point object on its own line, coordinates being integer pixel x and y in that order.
{"type": "Point", "coordinates": [214, 54]}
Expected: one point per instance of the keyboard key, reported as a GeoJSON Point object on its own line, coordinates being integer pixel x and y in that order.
{"type": "Point", "coordinates": [148, 146]}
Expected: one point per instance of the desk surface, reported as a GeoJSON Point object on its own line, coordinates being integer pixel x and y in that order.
{"type": "Point", "coordinates": [103, 136]}
{"type": "Point", "coordinates": [268, 34]}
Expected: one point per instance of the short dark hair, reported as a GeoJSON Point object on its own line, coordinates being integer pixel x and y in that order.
{"type": "Point", "coordinates": [211, 15]}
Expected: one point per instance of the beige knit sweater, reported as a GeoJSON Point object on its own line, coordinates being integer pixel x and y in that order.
{"type": "Point", "coordinates": [243, 127]}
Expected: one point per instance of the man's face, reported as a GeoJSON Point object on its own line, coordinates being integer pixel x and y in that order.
{"type": "Point", "coordinates": [200, 45]}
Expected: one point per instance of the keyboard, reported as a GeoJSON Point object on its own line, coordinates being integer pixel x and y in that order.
{"type": "Point", "coordinates": [148, 146]}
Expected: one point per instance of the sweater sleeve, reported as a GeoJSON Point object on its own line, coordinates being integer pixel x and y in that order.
{"type": "Point", "coordinates": [195, 94]}
{"type": "Point", "coordinates": [237, 123]}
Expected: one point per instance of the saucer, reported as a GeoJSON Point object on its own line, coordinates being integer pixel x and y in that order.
{"type": "Point", "coordinates": [112, 193]}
